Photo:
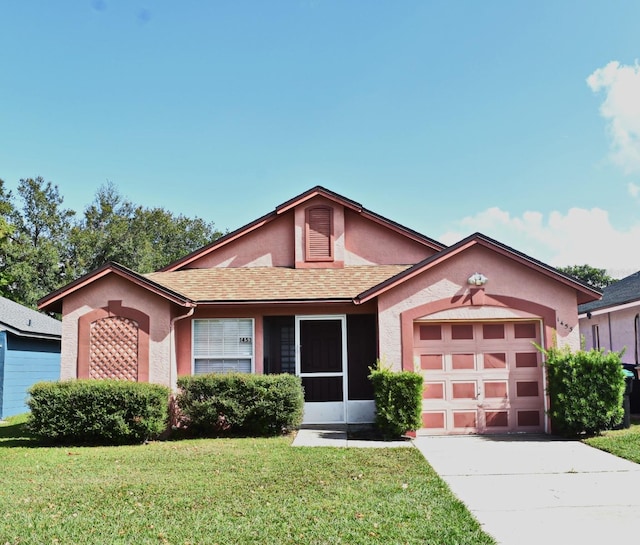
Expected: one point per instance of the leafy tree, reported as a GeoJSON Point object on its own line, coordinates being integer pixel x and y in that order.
{"type": "Point", "coordinates": [43, 246]}
{"type": "Point", "coordinates": [6, 229]}
{"type": "Point", "coordinates": [103, 234]}
{"type": "Point", "coordinates": [162, 238]}
{"type": "Point", "coordinates": [36, 249]}
{"type": "Point", "coordinates": [143, 239]}
{"type": "Point", "coordinates": [597, 278]}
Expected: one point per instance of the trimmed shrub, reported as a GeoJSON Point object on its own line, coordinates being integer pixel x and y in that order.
{"type": "Point", "coordinates": [398, 398]}
{"type": "Point", "coordinates": [240, 404]}
{"type": "Point", "coordinates": [107, 412]}
{"type": "Point", "coordinates": [585, 390]}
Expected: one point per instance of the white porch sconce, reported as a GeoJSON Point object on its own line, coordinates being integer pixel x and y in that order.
{"type": "Point", "coordinates": [477, 279]}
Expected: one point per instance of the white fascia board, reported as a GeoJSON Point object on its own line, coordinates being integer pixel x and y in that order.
{"type": "Point", "coordinates": [607, 310]}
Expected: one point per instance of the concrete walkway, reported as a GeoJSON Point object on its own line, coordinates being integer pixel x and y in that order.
{"type": "Point", "coordinates": [540, 490]}
{"type": "Point", "coordinates": [337, 436]}
{"type": "Point", "coordinates": [526, 490]}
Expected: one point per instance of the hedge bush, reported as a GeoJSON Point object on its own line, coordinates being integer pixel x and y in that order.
{"type": "Point", "coordinates": [398, 399]}
{"type": "Point", "coordinates": [240, 404]}
{"type": "Point", "coordinates": [585, 390]}
{"type": "Point", "coordinates": [90, 411]}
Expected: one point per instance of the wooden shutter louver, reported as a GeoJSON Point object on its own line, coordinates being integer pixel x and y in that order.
{"type": "Point", "coordinates": [319, 243]}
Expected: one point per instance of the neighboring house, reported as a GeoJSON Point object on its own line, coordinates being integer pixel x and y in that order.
{"type": "Point", "coordinates": [29, 353]}
{"type": "Point", "coordinates": [613, 322]}
{"type": "Point", "coordinates": [322, 287]}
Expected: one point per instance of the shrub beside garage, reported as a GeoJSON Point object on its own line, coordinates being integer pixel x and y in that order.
{"type": "Point", "coordinates": [585, 389]}
{"type": "Point", "coordinates": [398, 399]}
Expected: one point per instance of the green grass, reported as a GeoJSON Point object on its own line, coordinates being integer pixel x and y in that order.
{"type": "Point", "coordinates": [623, 443]}
{"type": "Point", "coordinates": [225, 491]}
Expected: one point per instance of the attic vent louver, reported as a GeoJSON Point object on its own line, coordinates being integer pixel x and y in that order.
{"type": "Point", "coordinates": [319, 234]}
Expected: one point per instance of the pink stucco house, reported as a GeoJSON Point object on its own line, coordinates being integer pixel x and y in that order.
{"type": "Point", "coordinates": [322, 287]}
{"type": "Point", "coordinates": [613, 322]}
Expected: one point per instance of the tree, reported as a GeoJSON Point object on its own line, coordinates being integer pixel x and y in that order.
{"type": "Point", "coordinates": [6, 229]}
{"type": "Point", "coordinates": [162, 238]}
{"type": "Point", "coordinates": [597, 278]}
{"type": "Point", "coordinates": [36, 248]}
{"type": "Point", "coordinates": [103, 234]}
{"type": "Point", "coordinates": [43, 247]}
{"type": "Point", "coordinates": [143, 239]}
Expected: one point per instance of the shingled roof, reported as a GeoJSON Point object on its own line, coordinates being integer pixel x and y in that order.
{"type": "Point", "coordinates": [23, 321]}
{"type": "Point", "coordinates": [255, 284]}
{"type": "Point", "coordinates": [621, 292]}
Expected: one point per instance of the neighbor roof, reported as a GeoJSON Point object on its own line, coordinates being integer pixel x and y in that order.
{"type": "Point", "coordinates": [255, 284]}
{"type": "Point", "coordinates": [626, 290]}
{"type": "Point", "coordinates": [25, 322]}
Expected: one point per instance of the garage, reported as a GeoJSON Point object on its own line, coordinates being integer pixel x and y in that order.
{"type": "Point", "coordinates": [481, 377]}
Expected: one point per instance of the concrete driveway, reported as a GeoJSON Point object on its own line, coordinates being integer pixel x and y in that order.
{"type": "Point", "coordinates": [540, 490]}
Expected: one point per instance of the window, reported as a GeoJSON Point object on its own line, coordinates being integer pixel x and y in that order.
{"type": "Point", "coordinates": [595, 336]}
{"type": "Point", "coordinates": [223, 345]}
{"type": "Point", "coordinates": [319, 234]}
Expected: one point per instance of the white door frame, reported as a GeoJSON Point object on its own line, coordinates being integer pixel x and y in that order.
{"type": "Point", "coordinates": [325, 412]}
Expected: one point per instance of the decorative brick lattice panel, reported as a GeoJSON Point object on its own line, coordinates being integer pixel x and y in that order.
{"type": "Point", "coordinates": [113, 350]}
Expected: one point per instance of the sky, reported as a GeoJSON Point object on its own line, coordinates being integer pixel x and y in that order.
{"type": "Point", "coordinates": [517, 119]}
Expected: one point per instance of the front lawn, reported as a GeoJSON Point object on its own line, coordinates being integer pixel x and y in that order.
{"type": "Point", "coordinates": [623, 443]}
{"type": "Point", "coordinates": [224, 491]}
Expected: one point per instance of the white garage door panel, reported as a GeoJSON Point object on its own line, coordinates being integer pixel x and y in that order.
{"type": "Point", "coordinates": [480, 377]}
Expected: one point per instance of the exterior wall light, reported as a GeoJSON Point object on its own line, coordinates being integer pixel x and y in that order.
{"type": "Point", "coordinates": [477, 279]}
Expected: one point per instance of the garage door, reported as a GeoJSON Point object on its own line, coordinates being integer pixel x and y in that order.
{"type": "Point", "coordinates": [481, 377]}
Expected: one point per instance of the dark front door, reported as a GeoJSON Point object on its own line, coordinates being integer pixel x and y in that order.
{"type": "Point", "coordinates": [321, 367]}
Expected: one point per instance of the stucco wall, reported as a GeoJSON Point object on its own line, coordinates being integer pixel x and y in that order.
{"type": "Point", "coordinates": [616, 329]}
{"type": "Point", "coordinates": [270, 245]}
{"type": "Point", "coordinates": [368, 243]}
{"type": "Point", "coordinates": [281, 243]}
{"type": "Point", "coordinates": [97, 295]}
{"type": "Point", "coordinates": [447, 282]}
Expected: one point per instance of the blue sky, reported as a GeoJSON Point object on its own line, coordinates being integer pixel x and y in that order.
{"type": "Point", "coordinates": [517, 119]}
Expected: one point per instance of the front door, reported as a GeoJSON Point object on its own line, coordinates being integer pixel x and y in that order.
{"type": "Point", "coordinates": [320, 363]}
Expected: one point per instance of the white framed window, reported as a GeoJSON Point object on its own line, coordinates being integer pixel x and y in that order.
{"type": "Point", "coordinates": [223, 345]}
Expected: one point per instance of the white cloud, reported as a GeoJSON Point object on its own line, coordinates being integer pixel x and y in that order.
{"type": "Point", "coordinates": [633, 189]}
{"type": "Point", "coordinates": [577, 237]}
{"type": "Point", "coordinates": [621, 108]}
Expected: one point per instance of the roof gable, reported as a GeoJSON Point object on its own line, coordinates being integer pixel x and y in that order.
{"type": "Point", "coordinates": [585, 293]}
{"type": "Point", "coordinates": [288, 206]}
